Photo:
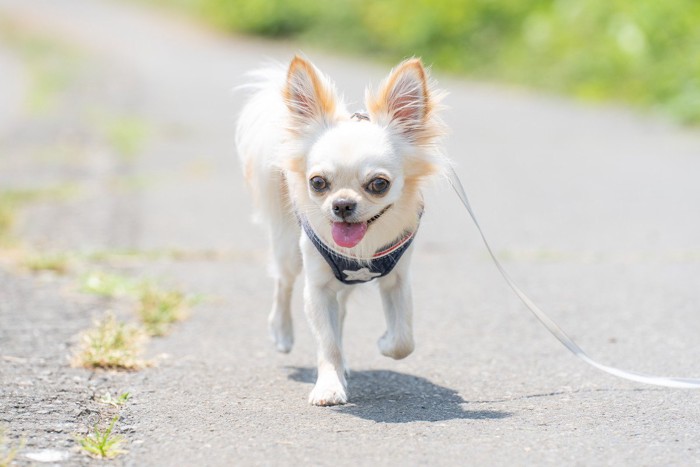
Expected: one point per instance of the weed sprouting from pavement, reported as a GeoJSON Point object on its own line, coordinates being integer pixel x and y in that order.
{"type": "Point", "coordinates": [115, 401]}
{"type": "Point", "coordinates": [108, 285]}
{"type": "Point", "coordinates": [12, 200]}
{"type": "Point", "coordinates": [7, 452]}
{"type": "Point", "coordinates": [58, 263]}
{"type": "Point", "coordinates": [51, 64]}
{"type": "Point", "coordinates": [111, 345]}
{"type": "Point", "coordinates": [172, 254]}
{"type": "Point", "coordinates": [127, 135]}
{"type": "Point", "coordinates": [101, 443]}
{"type": "Point", "coordinates": [159, 309]}
{"type": "Point", "coordinates": [7, 217]}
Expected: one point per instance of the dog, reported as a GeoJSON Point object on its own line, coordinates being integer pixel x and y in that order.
{"type": "Point", "coordinates": [340, 194]}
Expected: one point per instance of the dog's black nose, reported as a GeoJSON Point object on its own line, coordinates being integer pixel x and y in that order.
{"type": "Point", "coordinates": [344, 208]}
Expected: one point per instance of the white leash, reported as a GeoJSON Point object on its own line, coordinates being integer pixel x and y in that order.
{"type": "Point", "coordinates": [671, 382]}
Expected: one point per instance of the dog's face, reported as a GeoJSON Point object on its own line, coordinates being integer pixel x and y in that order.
{"type": "Point", "coordinates": [354, 177]}
{"type": "Point", "coordinates": [356, 181]}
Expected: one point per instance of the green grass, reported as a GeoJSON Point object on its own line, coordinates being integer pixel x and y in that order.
{"type": "Point", "coordinates": [56, 262]}
{"type": "Point", "coordinates": [51, 65]}
{"type": "Point", "coordinates": [127, 134]}
{"type": "Point", "coordinates": [111, 344]}
{"type": "Point", "coordinates": [103, 443]}
{"type": "Point", "coordinates": [642, 52]}
{"type": "Point", "coordinates": [109, 285]}
{"type": "Point", "coordinates": [160, 309]}
{"type": "Point", "coordinates": [12, 200]}
{"type": "Point", "coordinates": [8, 216]}
{"type": "Point", "coordinates": [173, 254]}
{"type": "Point", "coordinates": [116, 402]}
{"type": "Point", "coordinates": [157, 308]}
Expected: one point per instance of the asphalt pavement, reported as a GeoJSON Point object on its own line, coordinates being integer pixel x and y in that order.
{"type": "Point", "coordinates": [593, 209]}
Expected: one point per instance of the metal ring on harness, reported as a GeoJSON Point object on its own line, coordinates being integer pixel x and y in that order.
{"type": "Point", "coordinates": [360, 116]}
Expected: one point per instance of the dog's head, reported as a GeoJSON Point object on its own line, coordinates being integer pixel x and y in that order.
{"type": "Point", "coordinates": [358, 181]}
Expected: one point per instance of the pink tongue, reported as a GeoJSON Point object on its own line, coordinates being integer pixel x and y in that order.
{"type": "Point", "coordinates": [348, 235]}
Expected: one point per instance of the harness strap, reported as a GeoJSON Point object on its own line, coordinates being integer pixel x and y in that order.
{"type": "Point", "coordinates": [349, 270]}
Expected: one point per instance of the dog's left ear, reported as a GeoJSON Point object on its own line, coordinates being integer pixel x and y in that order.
{"type": "Point", "coordinates": [310, 97]}
{"type": "Point", "coordinates": [405, 104]}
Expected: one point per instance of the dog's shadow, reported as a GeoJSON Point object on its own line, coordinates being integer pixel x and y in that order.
{"type": "Point", "coordinates": [390, 397]}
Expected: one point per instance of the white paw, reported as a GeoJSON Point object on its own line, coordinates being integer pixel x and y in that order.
{"type": "Point", "coordinates": [282, 335]}
{"type": "Point", "coordinates": [328, 391]}
{"type": "Point", "coordinates": [396, 348]}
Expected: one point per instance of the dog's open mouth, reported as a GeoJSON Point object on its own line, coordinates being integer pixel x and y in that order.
{"type": "Point", "coordinates": [349, 234]}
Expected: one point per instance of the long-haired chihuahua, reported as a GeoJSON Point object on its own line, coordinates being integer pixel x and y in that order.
{"type": "Point", "coordinates": [340, 194]}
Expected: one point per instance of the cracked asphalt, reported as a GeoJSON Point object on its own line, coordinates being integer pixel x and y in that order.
{"type": "Point", "coordinates": [594, 210]}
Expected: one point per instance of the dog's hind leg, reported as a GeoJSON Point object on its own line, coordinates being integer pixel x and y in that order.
{"type": "Point", "coordinates": [286, 264]}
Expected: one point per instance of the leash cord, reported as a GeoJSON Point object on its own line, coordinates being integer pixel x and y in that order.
{"type": "Point", "coordinates": [552, 327]}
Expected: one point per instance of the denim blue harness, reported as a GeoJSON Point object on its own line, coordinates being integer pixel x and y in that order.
{"type": "Point", "coordinates": [350, 270]}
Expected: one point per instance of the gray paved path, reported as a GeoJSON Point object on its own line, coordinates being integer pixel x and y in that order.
{"type": "Point", "coordinates": [595, 211]}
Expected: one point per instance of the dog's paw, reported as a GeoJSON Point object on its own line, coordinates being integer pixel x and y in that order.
{"type": "Point", "coordinates": [396, 348]}
{"type": "Point", "coordinates": [284, 341]}
{"type": "Point", "coordinates": [281, 333]}
{"type": "Point", "coordinates": [328, 391]}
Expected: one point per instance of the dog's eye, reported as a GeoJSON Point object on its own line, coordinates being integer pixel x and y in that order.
{"type": "Point", "coordinates": [377, 186]}
{"type": "Point", "coordinates": [318, 184]}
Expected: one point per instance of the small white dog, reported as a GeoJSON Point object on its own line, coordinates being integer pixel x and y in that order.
{"type": "Point", "coordinates": [341, 193]}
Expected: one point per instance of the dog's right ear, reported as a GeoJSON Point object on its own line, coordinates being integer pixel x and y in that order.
{"type": "Point", "coordinates": [310, 97]}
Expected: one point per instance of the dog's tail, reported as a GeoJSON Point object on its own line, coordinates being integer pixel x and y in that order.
{"type": "Point", "coordinates": [259, 134]}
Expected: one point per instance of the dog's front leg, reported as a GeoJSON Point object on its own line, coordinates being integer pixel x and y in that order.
{"type": "Point", "coordinates": [322, 310]}
{"type": "Point", "coordinates": [323, 313]}
{"type": "Point", "coordinates": [395, 288]}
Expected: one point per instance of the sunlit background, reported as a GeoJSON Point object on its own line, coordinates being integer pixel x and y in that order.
{"type": "Point", "coordinates": [642, 52]}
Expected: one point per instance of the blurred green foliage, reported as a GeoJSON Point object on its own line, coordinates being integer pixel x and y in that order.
{"type": "Point", "coordinates": [644, 52]}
